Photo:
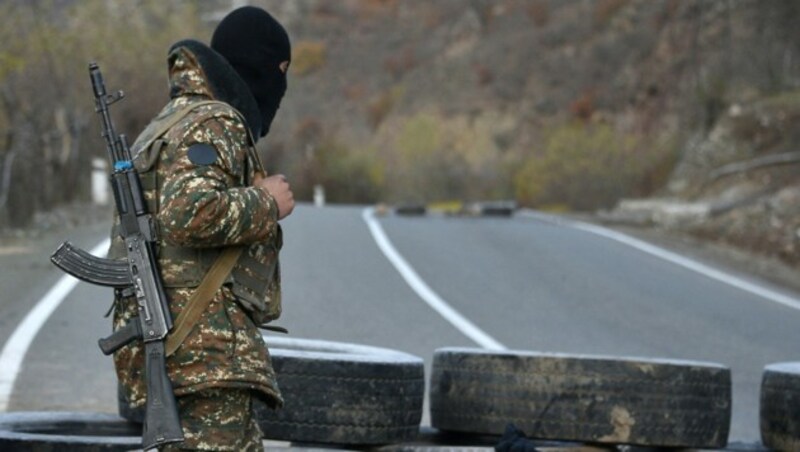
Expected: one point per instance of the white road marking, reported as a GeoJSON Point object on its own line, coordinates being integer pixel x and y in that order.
{"type": "Point", "coordinates": [17, 345]}
{"type": "Point", "coordinates": [669, 256]}
{"type": "Point", "coordinates": [423, 290]}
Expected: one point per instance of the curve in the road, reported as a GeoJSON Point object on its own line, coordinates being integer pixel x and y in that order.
{"type": "Point", "coordinates": [424, 291]}
{"type": "Point", "coordinates": [674, 258]}
{"type": "Point", "coordinates": [17, 345]}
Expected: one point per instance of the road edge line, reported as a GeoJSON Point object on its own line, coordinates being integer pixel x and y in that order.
{"type": "Point", "coordinates": [422, 289]}
{"type": "Point", "coordinates": [670, 256]}
{"type": "Point", "coordinates": [16, 347]}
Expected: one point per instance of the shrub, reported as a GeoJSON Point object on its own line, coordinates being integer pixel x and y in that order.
{"type": "Point", "coordinates": [589, 166]}
{"type": "Point", "coordinates": [307, 57]}
{"type": "Point", "coordinates": [408, 155]}
{"type": "Point", "coordinates": [539, 12]}
{"type": "Point", "coordinates": [401, 62]}
{"type": "Point", "coordinates": [348, 175]}
{"type": "Point", "coordinates": [604, 10]}
{"type": "Point", "coordinates": [381, 105]}
{"type": "Point", "coordinates": [45, 102]}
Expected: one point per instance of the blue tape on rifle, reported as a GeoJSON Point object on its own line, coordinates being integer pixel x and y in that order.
{"type": "Point", "coordinates": [122, 165]}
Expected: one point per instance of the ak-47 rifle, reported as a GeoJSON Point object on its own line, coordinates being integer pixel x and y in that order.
{"type": "Point", "coordinates": [139, 272]}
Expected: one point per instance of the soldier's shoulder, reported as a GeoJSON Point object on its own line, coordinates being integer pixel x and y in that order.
{"type": "Point", "coordinates": [209, 111]}
{"type": "Point", "coordinates": [214, 109]}
{"type": "Point", "coordinates": [209, 120]}
{"type": "Point", "coordinates": [182, 116]}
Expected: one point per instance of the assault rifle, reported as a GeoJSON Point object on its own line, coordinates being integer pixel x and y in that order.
{"type": "Point", "coordinates": [137, 275]}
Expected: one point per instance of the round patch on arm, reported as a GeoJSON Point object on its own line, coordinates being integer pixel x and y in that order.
{"type": "Point", "coordinates": [202, 154]}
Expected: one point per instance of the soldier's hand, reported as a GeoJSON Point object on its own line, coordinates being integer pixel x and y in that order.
{"type": "Point", "coordinates": [278, 187]}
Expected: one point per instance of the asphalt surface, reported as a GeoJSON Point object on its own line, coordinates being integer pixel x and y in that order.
{"type": "Point", "coordinates": [530, 284]}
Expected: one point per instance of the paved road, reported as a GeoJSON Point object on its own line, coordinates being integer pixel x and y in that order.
{"type": "Point", "coordinates": [527, 283]}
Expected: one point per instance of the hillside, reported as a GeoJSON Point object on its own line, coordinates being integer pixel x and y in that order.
{"type": "Point", "coordinates": [669, 113]}
{"type": "Point", "coordinates": [557, 104]}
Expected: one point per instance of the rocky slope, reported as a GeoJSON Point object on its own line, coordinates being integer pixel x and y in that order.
{"type": "Point", "coordinates": [739, 184]}
{"type": "Point", "coordinates": [558, 104]}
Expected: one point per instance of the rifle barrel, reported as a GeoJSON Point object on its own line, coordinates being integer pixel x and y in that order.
{"type": "Point", "coordinates": [102, 101]}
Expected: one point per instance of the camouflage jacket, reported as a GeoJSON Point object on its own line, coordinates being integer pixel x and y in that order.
{"type": "Point", "coordinates": [201, 207]}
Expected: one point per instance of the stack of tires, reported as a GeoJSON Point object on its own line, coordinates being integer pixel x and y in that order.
{"type": "Point", "coordinates": [339, 394]}
{"type": "Point", "coordinates": [334, 393]}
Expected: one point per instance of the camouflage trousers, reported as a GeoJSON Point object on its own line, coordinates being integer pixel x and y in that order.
{"type": "Point", "coordinates": [218, 419]}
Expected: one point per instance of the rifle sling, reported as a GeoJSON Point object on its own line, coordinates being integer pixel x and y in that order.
{"type": "Point", "coordinates": [176, 117]}
{"type": "Point", "coordinates": [216, 275]}
{"type": "Point", "coordinates": [202, 297]}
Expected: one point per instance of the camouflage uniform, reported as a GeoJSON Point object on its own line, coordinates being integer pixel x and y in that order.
{"type": "Point", "coordinates": [201, 208]}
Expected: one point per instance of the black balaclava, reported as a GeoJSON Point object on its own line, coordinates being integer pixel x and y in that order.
{"type": "Point", "coordinates": [255, 44]}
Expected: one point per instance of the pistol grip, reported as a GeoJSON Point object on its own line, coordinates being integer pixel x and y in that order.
{"type": "Point", "coordinates": [121, 337]}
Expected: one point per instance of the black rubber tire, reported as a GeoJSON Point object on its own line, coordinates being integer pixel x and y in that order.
{"type": "Point", "coordinates": [779, 412]}
{"type": "Point", "coordinates": [339, 393]}
{"type": "Point", "coordinates": [411, 209]}
{"type": "Point", "coordinates": [600, 399]}
{"type": "Point", "coordinates": [498, 209]}
{"type": "Point", "coordinates": [59, 431]}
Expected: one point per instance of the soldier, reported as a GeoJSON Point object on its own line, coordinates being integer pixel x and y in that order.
{"type": "Point", "coordinates": [206, 185]}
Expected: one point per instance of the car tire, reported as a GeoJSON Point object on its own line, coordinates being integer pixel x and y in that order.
{"type": "Point", "coordinates": [498, 208]}
{"type": "Point", "coordinates": [77, 432]}
{"type": "Point", "coordinates": [411, 209]}
{"type": "Point", "coordinates": [615, 400]}
{"type": "Point", "coordinates": [779, 411]}
{"type": "Point", "coordinates": [340, 393]}
{"type": "Point", "coordinates": [337, 393]}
